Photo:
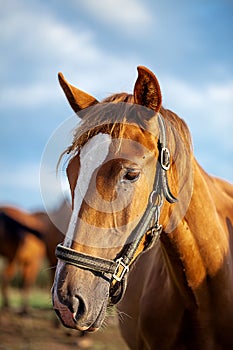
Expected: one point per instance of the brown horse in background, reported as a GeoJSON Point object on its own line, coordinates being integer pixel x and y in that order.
{"type": "Point", "coordinates": [26, 239]}
{"type": "Point", "coordinates": [55, 224]}
{"type": "Point", "coordinates": [157, 218]}
{"type": "Point", "coordinates": [22, 245]}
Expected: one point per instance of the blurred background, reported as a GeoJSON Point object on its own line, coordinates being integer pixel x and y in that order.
{"type": "Point", "coordinates": [98, 45]}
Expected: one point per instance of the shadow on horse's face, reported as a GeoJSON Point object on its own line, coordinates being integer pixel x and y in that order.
{"type": "Point", "coordinates": [110, 187]}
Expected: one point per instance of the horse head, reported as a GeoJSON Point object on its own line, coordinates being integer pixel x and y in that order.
{"type": "Point", "coordinates": [123, 180]}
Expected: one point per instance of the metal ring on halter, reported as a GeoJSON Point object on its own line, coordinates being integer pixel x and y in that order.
{"type": "Point", "coordinates": [158, 199]}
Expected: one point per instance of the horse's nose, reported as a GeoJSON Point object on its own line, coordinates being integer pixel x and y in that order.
{"type": "Point", "coordinates": [77, 307]}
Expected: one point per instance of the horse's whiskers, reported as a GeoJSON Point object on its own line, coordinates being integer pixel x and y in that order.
{"type": "Point", "coordinates": [121, 314]}
{"type": "Point", "coordinates": [49, 268]}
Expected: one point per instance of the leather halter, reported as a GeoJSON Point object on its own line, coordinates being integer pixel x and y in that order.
{"type": "Point", "coordinates": [149, 225]}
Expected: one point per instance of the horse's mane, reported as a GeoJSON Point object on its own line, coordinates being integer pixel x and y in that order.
{"type": "Point", "coordinates": [111, 115]}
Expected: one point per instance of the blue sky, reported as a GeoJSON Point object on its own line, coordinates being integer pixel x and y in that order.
{"type": "Point", "coordinates": [98, 45]}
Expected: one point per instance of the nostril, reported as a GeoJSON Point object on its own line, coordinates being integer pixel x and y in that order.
{"type": "Point", "coordinates": [79, 307]}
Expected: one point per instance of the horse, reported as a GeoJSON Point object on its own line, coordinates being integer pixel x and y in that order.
{"type": "Point", "coordinates": [22, 245]}
{"type": "Point", "coordinates": [150, 230]}
{"type": "Point", "coordinates": [55, 223]}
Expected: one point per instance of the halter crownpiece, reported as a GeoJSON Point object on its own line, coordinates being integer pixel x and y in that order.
{"type": "Point", "coordinates": [117, 269]}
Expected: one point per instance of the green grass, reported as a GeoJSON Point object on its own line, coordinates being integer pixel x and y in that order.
{"type": "Point", "coordinates": [38, 298]}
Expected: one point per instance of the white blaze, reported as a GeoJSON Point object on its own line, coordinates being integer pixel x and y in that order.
{"type": "Point", "coordinates": [92, 155]}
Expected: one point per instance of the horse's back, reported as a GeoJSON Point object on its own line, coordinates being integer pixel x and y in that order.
{"type": "Point", "coordinates": [224, 189]}
{"type": "Point", "coordinates": [20, 234]}
{"type": "Point", "coordinates": [222, 192]}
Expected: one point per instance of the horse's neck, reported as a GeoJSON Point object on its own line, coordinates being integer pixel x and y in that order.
{"type": "Point", "coordinates": [199, 251]}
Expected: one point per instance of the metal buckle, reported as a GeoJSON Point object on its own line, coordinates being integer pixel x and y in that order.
{"type": "Point", "coordinates": [120, 270]}
{"type": "Point", "coordinates": [165, 158]}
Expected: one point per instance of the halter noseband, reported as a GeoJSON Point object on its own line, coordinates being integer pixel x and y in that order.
{"type": "Point", "coordinates": [149, 225]}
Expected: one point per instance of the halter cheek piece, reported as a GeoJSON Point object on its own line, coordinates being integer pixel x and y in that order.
{"type": "Point", "coordinates": [118, 268]}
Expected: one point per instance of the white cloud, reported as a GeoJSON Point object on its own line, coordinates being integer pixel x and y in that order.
{"type": "Point", "coordinates": [208, 111]}
{"type": "Point", "coordinates": [31, 95]}
{"type": "Point", "coordinates": [38, 32]}
{"type": "Point", "coordinates": [50, 46]}
{"type": "Point", "coordinates": [131, 14]}
{"type": "Point", "coordinates": [192, 97]}
{"type": "Point", "coordinates": [211, 104]}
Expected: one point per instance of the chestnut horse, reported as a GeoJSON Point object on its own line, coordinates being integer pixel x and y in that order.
{"type": "Point", "coordinates": [150, 229]}
{"type": "Point", "coordinates": [22, 245]}
{"type": "Point", "coordinates": [55, 224]}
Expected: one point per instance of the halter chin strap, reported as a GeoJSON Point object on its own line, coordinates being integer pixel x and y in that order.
{"type": "Point", "coordinates": [116, 270]}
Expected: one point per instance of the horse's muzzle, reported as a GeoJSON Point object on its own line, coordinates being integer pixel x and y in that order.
{"type": "Point", "coordinates": [79, 305]}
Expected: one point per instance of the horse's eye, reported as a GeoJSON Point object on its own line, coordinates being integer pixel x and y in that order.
{"type": "Point", "coordinates": [131, 175]}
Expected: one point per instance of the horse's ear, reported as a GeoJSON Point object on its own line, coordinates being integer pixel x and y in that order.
{"type": "Point", "coordinates": [78, 99]}
{"type": "Point", "coordinates": [147, 90]}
